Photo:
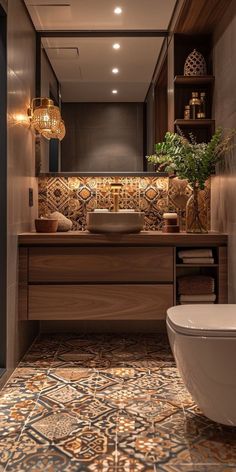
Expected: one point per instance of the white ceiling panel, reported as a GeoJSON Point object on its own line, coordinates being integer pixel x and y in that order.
{"type": "Point", "coordinates": [84, 67]}
{"type": "Point", "coordinates": [99, 14]}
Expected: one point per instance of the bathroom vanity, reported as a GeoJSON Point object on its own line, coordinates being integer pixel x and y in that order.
{"type": "Point", "coordinates": [82, 276]}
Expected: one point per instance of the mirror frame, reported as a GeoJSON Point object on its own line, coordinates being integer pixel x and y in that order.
{"type": "Point", "coordinates": [96, 34]}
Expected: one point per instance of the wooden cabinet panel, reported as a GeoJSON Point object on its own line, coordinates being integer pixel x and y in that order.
{"type": "Point", "coordinates": [114, 302]}
{"type": "Point", "coordinates": [98, 264]}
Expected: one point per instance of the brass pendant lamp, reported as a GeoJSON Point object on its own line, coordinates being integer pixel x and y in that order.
{"type": "Point", "coordinates": [46, 118]}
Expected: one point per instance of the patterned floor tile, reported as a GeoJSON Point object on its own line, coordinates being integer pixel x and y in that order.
{"type": "Point", "coordinates": [106, 404]}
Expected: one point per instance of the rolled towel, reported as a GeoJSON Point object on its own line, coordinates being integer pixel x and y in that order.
{"type": "Point", "coordinates": [198, 298]}
{"type": "Point", "coordinates": [198, 260]}
{"type": "Point", "coordinates": [64, 224]}
{"type": "Point", "coordinates": [195, 253]}
{"type": "Point", "coordinates": [195, 285]}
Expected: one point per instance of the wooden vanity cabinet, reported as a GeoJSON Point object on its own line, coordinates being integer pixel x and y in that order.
{"type": "Point", "coordinates": [95, 277]}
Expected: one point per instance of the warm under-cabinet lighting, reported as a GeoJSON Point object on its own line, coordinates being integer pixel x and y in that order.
{"type": "Point", "coordinates": [114, 92]}
{"type": "Point", "coordinates": [46, 118]}
{"type": "Point", "coordinates": [115, 70]}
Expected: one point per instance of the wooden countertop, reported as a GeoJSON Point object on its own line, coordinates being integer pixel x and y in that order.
{"type": "Point", "coordinates": [155, 238]}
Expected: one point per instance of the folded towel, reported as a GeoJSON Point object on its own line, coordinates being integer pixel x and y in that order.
{"type": "Point", "coordinates": [195, 285]}
{"type": "Point", "coordinates": [195, 253]}
{"type": "Point", "coordinates": [198, 260]}
{"type": "Point", "coordinates": [198, 298]}
{"type": "Point", "coordinates": [196, 303]}
{"type": "Point", "coordinates": [101, 210]}
{"type": "Point", "coordinates": [129, 210]}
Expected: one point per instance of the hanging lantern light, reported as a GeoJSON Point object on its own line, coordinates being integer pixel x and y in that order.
{"type": "Point", "coordinates": [45, 117]}
{"type": "Point", "coordinates": [59, 133]}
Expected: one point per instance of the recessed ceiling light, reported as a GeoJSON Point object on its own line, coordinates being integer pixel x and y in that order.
{"type": "Point", "coordinates": [114, 92]}
{"type": "Point", "coordinates": [115, 70]}
{"type": "Point", "coordinates": [118, 10]}
{"type": "Point", "coordinates": [116, 46]}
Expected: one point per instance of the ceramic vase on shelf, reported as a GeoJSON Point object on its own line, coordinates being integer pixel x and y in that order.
{"type": "Point", "coordinates": [196, 221]}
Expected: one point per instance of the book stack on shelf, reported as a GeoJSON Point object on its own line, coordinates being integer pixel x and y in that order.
{"type": "Point", "coordinates": [196, 289]}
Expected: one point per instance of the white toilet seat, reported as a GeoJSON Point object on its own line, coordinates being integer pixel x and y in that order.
{"type": "Point", "coordinates": [203, 320]}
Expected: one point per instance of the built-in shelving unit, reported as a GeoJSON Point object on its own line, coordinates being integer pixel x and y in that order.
{"type": "Point", "coordinates": [199, 122]}
{"type": "Point", "coordinates": [194, 80]}
{"type": "Point", "coordinates": [182, 86]}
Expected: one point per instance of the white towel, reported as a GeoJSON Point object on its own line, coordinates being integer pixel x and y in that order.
{"type": "Point", "coordinates": [198, 260]}
{"type": "Point", "coordinates": [101, 210]}
{"type": "Point", "coordinates": [195, 253]}
{"type": "Point", "coordinates": [196, 303]}
{"type": "Point", "coordinates": [211, 297]}
{"type": "Point", "coordinates": [126, 211]}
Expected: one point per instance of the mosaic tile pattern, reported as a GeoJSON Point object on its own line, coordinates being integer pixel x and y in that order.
{"type": "Point", "coordinates": [106, 404]}
{"type": "Point", "coordinates": [74, 196]}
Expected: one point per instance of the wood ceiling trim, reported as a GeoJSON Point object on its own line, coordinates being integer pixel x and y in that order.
{"type": "Point", "coordinates": [201, 16]}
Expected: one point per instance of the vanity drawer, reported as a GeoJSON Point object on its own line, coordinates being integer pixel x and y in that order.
{"type": "Point", "coordinates": [97, 302]}
{"type": "Point", "coordinates": [101, 264]}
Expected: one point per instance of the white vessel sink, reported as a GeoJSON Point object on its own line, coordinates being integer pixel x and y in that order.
{"type": "Point", "coordinates": [115, 222]}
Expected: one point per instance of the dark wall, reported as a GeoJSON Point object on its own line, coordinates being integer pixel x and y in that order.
{"type": "Point", "coordinates": [102, 137]}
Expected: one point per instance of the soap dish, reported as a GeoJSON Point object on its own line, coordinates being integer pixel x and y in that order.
{"type": "Point", "coordinates": [44, 225]}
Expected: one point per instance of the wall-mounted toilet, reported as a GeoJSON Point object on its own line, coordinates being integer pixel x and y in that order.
{"type": "Point", "coordinates": [203, 342]}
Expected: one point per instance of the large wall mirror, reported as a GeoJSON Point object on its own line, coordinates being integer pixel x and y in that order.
{"type": "Point", "coordinates": [103, 85]}
{"type": "Point", "coordinates": [105, 88]}
{"type": "Point", "coordinates": [100, 60]}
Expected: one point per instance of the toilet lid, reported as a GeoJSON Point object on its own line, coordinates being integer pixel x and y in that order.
{"type": "Point", "coordinates": [203, 320]}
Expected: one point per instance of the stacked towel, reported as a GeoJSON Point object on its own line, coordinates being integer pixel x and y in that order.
{"type": "Point", "coordinates": [196, 285]}
{"type": "Point", "coordinates": [192, 299]}
{"type": "Point", "coordinates": [196, 256]}
{"type": "Point", "coordinates": [196, 289]}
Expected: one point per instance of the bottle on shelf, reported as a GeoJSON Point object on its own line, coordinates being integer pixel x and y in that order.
{"type": "Point", "coordinates": [194, 104]}
{"type": "Point", "coordinates": [202, 110]}
{"type": "Point", "coordinates": [187, 112]}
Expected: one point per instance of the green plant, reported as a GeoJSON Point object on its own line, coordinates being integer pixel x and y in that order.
{"type": "Point", "coordinates": [188, 159]}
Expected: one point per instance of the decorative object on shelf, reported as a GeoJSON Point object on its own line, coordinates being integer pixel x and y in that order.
{"type": "Point", "coordinates": [170, 223]}
{"type": "Point", "coordinates": [202, 112]}
{"type": "Point", "coordinates": [187, 112]}
{"type": "Point", "coordinates": [195, 64]}
{"type": "Point", "coordinates": [195, 162]}
{"type": "Point", "coordinates": [194, 104]}
{"type": "Point", "coordinates": [46, 225]}
{"type": "Point", "coordinates": [64, 223]}
{"type": "Point", "coordinates": [46, 118]}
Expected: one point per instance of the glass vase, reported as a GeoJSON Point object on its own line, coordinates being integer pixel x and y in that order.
{"type": "Point", "coordinates": [195, 221]}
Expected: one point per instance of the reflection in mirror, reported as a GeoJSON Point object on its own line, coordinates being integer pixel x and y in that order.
{"type": "Point", "coordinates": [103, 85]}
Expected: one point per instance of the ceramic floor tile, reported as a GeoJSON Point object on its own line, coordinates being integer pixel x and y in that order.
{"type": "Point", "coordinates": [106, 404]}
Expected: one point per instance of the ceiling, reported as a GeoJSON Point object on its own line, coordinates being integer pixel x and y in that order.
{"type": "Point", "coordinates": [99, 14]}
{"type": "Point", "coordinates": [83, 66]}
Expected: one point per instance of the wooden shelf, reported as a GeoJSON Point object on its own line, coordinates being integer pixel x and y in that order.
{"type": "Point", "coordinates": [194, 80]}
{"type": "Point", "coordinates": [197, 265]}
{"type": "Point", "coordinates": [193, 123]}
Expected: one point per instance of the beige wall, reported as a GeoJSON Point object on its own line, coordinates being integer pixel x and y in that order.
{"type": "Point", "coordinates": [224, 184]}
{"type": "Point", "coordinates": [21, 89]}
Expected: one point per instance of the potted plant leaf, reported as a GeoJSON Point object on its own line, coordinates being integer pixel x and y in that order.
{"type": "Point", "coordinates": [196, 162]}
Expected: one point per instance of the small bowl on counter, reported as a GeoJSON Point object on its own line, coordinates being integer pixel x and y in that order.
{"type": "Point", "coordinates": [46, 225]}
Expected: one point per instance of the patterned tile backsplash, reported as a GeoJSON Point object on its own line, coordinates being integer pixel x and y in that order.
{"type": "Point", "coordinates": [74, 196]}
